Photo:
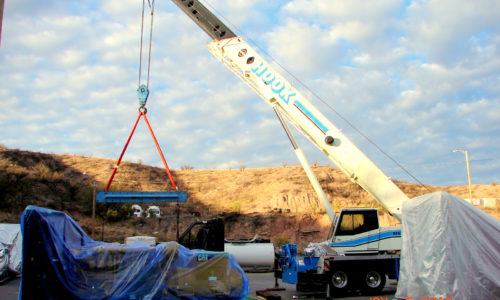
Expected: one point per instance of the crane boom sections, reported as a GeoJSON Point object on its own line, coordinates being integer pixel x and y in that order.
{"type": "Point", "coordinates": [276, 90]}
{"type": "Point", "coordinates": [205, 19]}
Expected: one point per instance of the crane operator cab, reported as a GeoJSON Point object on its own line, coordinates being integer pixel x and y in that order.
{"type": "Point", "coordinates": [357, 230]}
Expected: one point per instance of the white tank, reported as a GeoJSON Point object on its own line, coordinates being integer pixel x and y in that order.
{"type": "Point", "coordinates": [148, 240]}
{"type": "Point", "coordinates": [252, 256]}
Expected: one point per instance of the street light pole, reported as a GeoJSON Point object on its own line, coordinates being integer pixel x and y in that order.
{"type": "Point", "coordinates": [468, 170]}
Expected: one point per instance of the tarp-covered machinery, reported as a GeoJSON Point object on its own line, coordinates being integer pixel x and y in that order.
{"type": "Point", "coordinates": [10, 250]}
{"type": "Point", "coordinates": [61, 262]}
{"type": "Point", "coordinates": [451, 250]}
{"type": "Point", "coordinates": [252, 255]}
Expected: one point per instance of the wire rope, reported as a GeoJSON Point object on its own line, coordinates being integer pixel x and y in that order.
{"type": "Point", "coordinates": [151, 7]}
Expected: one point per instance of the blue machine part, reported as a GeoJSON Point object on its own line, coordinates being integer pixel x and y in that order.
{"type": "Point", "coordinates": [60, 261]}
{"type": "Point", "coordinates": [291, 264]}
{"type": "Point", "coordinates": [114, 197]}
{"type": "Point", "coordinates": [395, 270]}
{"type": "Point", "coordinates": [142, 94]}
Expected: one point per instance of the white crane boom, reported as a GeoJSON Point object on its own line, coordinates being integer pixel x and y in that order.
{"type": "Point", "coordinates": [276, 90]}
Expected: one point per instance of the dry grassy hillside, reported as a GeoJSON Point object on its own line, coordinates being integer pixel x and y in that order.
{"type": "Point", "coordinates": [276, 203]}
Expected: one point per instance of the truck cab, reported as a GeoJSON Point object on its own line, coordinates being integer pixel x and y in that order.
{"type": "Point", "coordinates": [357, 231]}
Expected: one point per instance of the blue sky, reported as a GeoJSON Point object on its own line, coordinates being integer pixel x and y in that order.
{"type": "Point", "coordinates": [419, 78]}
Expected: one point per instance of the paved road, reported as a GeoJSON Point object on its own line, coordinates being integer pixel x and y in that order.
{"type": "Point", "coordinates": [258, 281]}
{"type": "Point", "coordinates": [10, 289]}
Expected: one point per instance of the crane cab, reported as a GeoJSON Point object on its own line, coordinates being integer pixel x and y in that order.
{"type": "Point", "coordinates": [357, 231]}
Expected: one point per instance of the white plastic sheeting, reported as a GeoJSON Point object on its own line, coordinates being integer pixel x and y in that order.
{"type": "Point", "coordinates": [450, 249]}
{"type": "Point", "coordinates": [10, 248]}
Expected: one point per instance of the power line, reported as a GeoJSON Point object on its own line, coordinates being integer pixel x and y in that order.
{"type": "Point", "coordinates": [441, 164]}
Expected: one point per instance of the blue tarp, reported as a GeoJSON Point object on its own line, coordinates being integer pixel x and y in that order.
{"type": "Point", "coordinates": [61, 262]}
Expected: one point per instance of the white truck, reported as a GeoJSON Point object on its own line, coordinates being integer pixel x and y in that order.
{"type": "Point", "coordinates": [358, 252]}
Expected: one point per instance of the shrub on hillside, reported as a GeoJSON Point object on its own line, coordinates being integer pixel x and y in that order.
{"type": "Point", "coordinates": [280, 241]}
{"type": "Point", "coordinates": [117, 212]}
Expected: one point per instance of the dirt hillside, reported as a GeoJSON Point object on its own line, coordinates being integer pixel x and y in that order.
{"type": "Point", "coordinates": [276, 203]}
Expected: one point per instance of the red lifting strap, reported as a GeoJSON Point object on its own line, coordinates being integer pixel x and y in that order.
{"type": "Point", "coordinates": [142, 114]}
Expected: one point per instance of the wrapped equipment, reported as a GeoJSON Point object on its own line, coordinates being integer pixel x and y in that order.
{"type": "Point", "coordinates": [451, 250]}
{"type": "Point", "coordinates": [61, 262]}
{"type": "Point", "coordinates": [10, 249]}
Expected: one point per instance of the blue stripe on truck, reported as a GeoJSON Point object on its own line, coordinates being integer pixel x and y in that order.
{"type": "Point", "coordinates": [368, 239]}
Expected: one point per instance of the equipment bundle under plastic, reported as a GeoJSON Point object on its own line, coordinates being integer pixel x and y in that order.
{"type": "Point", "coordinates": [61, 262]}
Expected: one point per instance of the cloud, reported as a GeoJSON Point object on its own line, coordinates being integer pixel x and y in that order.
{"type": "Point", "coordinates": [487, 111]}
{"type": "Point", "coordinates": [413, 77]}
{"type": "Point", "coordinates": [449, 37]}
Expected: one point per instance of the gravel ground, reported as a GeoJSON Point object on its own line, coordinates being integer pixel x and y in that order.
{"type": "Point", "coordinates": [258, 281]}
{"type": "Point", "coordinates": [261, 281]}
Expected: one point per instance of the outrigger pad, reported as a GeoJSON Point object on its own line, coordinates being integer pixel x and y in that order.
{"type": "Point", "coordinates": [113, 197]}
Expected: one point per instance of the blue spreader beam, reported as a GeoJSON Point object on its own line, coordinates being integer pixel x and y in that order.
{"type": "Point", "coordinates": [116, 197]}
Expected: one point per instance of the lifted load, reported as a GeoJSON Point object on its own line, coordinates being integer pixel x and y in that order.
{"type": "Point", "coordinates": [137, 196]}
{"type": "Point", "coordinates": [61, 262]}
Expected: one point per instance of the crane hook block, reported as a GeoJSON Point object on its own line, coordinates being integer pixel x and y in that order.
{"type": "Point", "coordinates": [142, 94]}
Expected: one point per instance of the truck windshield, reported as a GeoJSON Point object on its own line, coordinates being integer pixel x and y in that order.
{"type": "Point", "coordinates": [357, 222]}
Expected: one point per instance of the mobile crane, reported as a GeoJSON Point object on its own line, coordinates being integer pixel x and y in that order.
{"type": "Point", "coordinates": [355, 232]}
{"type": "Point", "coordinates": [356, 241]}
{"type": "Point", "coordinates": [358, 253]}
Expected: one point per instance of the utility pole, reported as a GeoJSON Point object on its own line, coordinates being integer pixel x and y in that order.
{"type": "Point", "coordinates": [468, 170]}
{"type": "Point", "coordinates": [93, 202]}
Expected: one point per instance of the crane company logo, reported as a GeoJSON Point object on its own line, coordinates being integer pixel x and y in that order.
{"type": "Point", "coordinates": [277, 84]}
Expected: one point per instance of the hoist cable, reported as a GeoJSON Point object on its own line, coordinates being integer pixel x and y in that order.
{"type": "Point", "coordinates": [152, 6]}
{"type": "Point", "coordinates": [142, 35]}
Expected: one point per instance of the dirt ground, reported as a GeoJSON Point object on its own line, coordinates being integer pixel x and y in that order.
{"type": "Point", "coordinates": [258, 281]}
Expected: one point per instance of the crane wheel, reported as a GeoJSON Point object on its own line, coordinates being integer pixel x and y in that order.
{"type": "Point", "coordinates": [373, 281]}
{"type": "Point", "coordinates": [340, 282]}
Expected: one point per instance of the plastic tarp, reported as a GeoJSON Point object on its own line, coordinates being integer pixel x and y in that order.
{"type": "Point", "coordinates": [61, 262]}
{"type": "Point", "coordinates": [451, 250]}
{"type": "Point", "coordinates": [10, 249]}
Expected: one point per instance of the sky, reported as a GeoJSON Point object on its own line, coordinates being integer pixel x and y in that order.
{"type": "Point", "coordinates": [418, 79]}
